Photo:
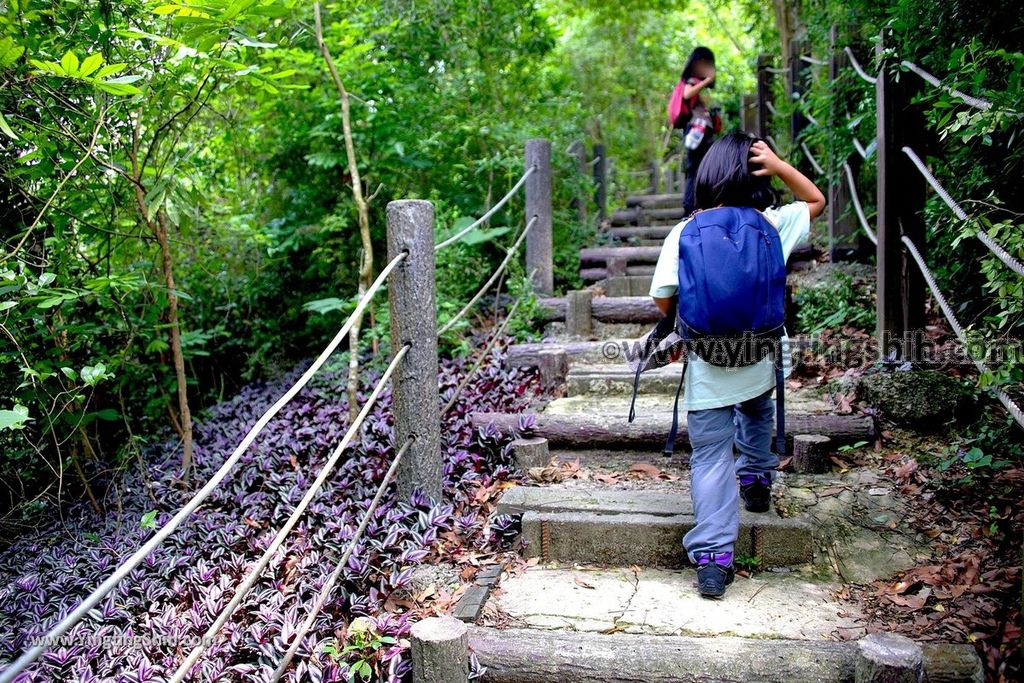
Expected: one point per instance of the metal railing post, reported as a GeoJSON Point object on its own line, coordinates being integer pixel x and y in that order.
{"type": "Point", "coordinates": [414, 322]}
{"type": "Point", "coordinates": [538, 203]}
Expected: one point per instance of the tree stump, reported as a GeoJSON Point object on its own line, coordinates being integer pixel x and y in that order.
{"type": "Point", "coordinates": [531, 452]}
{"type": "Point", "coordinates": [810, 453]}
{"type": "Point", "coordinates": [579, 313]}
{"type": "Point", "coordinates": [888, 658]}
{"type": "Point", "coordinates": [440, 651]}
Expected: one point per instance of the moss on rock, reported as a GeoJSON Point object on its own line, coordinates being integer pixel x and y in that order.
{"type": "Point", "coordinates": [922, 399]}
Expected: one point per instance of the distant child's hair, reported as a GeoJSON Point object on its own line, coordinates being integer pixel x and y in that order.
{"type": "Point", "coordinates": [724, 178]}
{"type": "Point", "coordinates": [699, 54]}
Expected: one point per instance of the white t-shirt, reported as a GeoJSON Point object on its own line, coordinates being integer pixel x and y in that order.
{"type": "Point", "coordinates": [710, 386]}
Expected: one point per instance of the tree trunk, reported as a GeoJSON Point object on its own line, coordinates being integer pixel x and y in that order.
{"type": "Point", "coordinates": [167, 262]}
{"type": "Point", "coordinates": [362, 206]}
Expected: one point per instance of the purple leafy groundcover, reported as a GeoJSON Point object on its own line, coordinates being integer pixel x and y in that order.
{"type": "Point", "coordinates": [137, 633]}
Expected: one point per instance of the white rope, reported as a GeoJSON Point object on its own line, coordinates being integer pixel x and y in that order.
{"type": "Point", "coordinates": [139, 555]}
{"type": "Point", "coordinates": [594, 161]}
{"type": "Point", "coordinates": [856, 205]}
{"type": "Point", "coordinates": [810, 157]}
{"type": "Point", "coordinates": [771, 108]}
{"type": "Point", "coordinates": [494, 209]}
{"type": "Point", "coordinates": [812, 60]}
{"type": "Point", "coordinates": [856, 67]}
{"type": "Point", "coordinates": [254, 574]}
{"type": "Point", "coordinates": [975, 102]}
{"type": "Point", "coordinates": [321, 597]}
{"type": "Point", "coordinates": [771, 141]}
{"type": "Point", "coordinates": [809, 117]}
{"type": "Point", "coordinates": [1003, 255]}
{"type": "Point", "coordinates": [1010, 406]}
{"type": "Point", "coordinates": [776, 70]}
{"type": "Point", "coordinates": [487, 285]}
{"type": "Point", "coordinates": [860, 148]}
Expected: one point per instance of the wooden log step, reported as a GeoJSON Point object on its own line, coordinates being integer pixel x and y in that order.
{"type": "Point", "coordinates": [577, 431]}
{"type": "Point", "coordinates": [655, 201]}
{"type": "Point", "coordinates": [634, 255]}
{"type": "Point", "coordinates": [635, 215]}
{"type": "Point", "coordinates": [595, 274]}
{"type": "Point", "coordinates": [640, 232]}
{"type": "Point", "coordinates": [518, 655]}
{"type": "Point", "coordinates": [607, 309]}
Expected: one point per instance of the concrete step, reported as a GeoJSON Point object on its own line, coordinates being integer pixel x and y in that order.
{"type": "Point", "coordinates": [645, 527]}
{"type": "Point", "coordinates": [655, 201]}
{"type": "Point", "coordinates": [524, 655]}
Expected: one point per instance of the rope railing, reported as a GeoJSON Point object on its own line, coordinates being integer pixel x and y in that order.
{"type": "Point", "coordinates": [493, 210]}
{"type": "Point", "coordinates": [1003, 255]}
{"type": "Point", "coordinates": [855, 198]}
{"type": "Point", "coordinates": [812, 60]}
{"type": "Point", "coordinates": [975, 102]}
{"type": "Point", "coordinates": [771, 108]}
{"type": "Point", "coordinates": [958, 329]}
{"type": "Point", "coordinates": [487, 285]}
{"type": "Point", "coordinates": [810, 117]}
{"type": "Point", "coordinates": [776, 70]}
{"type": "Point", "coordinates": [100, 592]}
{"type": "Point", "coordinates": [857, 67]}
{"type": "Point", "coordinates": [810, 158]}
{"type": "Point", "coordinates": [335, 575]}
{"type": "Point", "coordinates": [595, 160]}
{"type": "Point", "coordinates": [254, 574]}
{"type": "Point", "coordinates": [861, 150]}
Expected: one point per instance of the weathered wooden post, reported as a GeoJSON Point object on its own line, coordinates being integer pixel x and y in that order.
{"type": "Point", "coordinates": [440, 650]}
{"type": "Point", "coordinates": [748, 113]}
{"type": "Point", "coordinates": [581, 167]}
{"type": "Point", "coordinates": [842, 226]}
{"type": "Point", "coordinates": [901, 198]}
{"type": "Point", "coordinates": [764, 95]}
{"type": "Point", "coordinates": [579, 313]}
{"type": "Point", "coordinates": [414, 322]}
{"type": "Point", "coordinates": [601, 181]}
{"type": "Point", "coordinates": [797, 122]}
{"type": "Point", "coordinates": [538, 205]}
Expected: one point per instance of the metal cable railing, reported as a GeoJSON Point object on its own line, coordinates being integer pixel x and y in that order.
{"type": "Point", "coordinates": [958, 329]}
{"type": "Point", "coordinates": [487, 285]}
{"type": "Point", "coordinates": [93, 599]}
{"type": "Point", "coordinates": [254, 574]}
{"type": "Point", "coordinates": [1003, 255]}
{"type": "Point", "coordinates": [494, 209]}
{"type": "Point", "coordinates": [857, 67]}
{"type": "Point", "coordinates": [855, 198]}
{"type": "Point", "coordinates": [332, 580]}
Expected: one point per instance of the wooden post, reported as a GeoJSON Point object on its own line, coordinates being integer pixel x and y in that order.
{"type": "Point", "coordinates": [414, 322]}
{"type": "Point", "coordinates": [842, 225]}
{"type": "Point", "coordinates": [810, 453]}
{"type": "Point", "coordinates": [538, 204]}
{"type": "Point", "coordinates": [531, 452]}
{"type": "Point", "coordinates": [748, 113]}
{"type": "Point", "coordinates": [797, 122]}
{"type": "Point", "coordinates": [764, 95]}
{"type": "Point", "coordinates": [901, 197]}
{"type": "Point", "coordinates": [579, 313]}
{"type": "Point", "coordinates": [440, 650]}
{"type": "Point", "coordinates": [581, 168]}
{"type": "Point", "coordinates": [601, 181]}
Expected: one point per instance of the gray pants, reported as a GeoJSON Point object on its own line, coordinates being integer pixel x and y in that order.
{"type": "Point", "coordinates": [714, 473]}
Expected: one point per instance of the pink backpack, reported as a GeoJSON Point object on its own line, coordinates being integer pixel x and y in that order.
{"type": "Point", "coordinates": [680, 110]}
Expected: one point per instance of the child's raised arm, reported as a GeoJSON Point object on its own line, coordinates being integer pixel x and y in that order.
{"type": "Point", "coordinates": [799, 184]}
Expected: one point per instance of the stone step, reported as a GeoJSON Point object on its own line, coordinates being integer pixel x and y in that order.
{"type": "Point", "coordinates": [524, 655]}
{"type": "Point", "coordinates": [625, 285]}
{"type": "Point", "coordinates": [624, 527]}
{"type": "Point", "coordinates": [603, 379]}
{"type": "Point", "coordinates": [655, 201]}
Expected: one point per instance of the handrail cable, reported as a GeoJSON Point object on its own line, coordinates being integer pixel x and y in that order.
{"type": "Point", "coordinates": [860, 148]}
{"type": "Point", "coordinates": [1003, 255]}
{"type": "Point", "coordinates": [975, 102]}
{"type": "Point", "coordinates": [771, 108]}
{"type": "Point", "coordinates": [857, 67]}
{"type": "Point", "coordinates": [810, 117]}
{"type": "Point", "coordinates": [776, 70]}
{"type": "Point", "coordinates": [593, 161]}
{"type": "Point", "coordinates": [947, 311]}
{"type": "Point", "coordinates": [490, 212]}
{"type": "Point", "coordinates": [810, 157]}
{"type": "Point", "coordinates": [254, 574]}
{"type": "Point", "coordinates": [855, 198]}
{"type": "Point", "coordinates": [90, 601]}
{"type": "Point", "coordinates": [325, 590]}
{"type": "Point", "coordinates": [812, 60]}
{"type": "Point", "coordinates": [487, 285]}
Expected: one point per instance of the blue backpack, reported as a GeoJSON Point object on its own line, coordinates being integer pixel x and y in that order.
{"type": "Point", "coordinates": [732, 296]}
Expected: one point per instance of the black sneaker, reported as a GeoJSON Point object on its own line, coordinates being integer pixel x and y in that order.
{"type": "Point", "coordinates": [714, 573]}
{"type": "Point", "coordinates": [756, 491]}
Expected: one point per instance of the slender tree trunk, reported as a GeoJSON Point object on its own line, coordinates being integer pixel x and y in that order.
{"type": "Point", "coordinates": [362, 206]}
{"type": "Point", "coordinates": [167, 263]}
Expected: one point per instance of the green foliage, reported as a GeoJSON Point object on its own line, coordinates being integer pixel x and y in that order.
{"type": "Point", "coordinates": [361, 650]}
{"type": "Point", "coordinates": [833, 303]}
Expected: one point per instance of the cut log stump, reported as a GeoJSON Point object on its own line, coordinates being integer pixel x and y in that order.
{"type": "Point", "coordinates": [810, 453]}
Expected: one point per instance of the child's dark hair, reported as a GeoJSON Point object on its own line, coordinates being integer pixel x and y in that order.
{"type": "Point", "coordinates": [724, 178]}
{"type": "Point", "coordinates": [699, 54]}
